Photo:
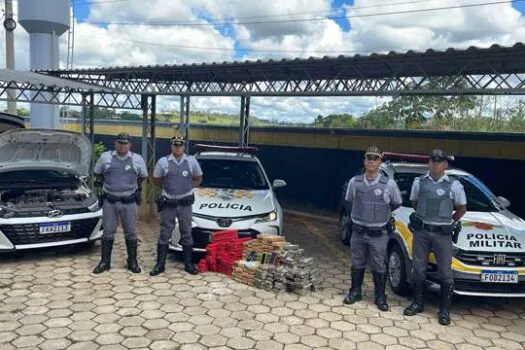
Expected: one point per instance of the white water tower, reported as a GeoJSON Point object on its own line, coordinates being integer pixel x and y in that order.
{"type": "Point", "coordinates": [45, 21]}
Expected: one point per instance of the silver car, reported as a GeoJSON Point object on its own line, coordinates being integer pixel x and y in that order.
{"type": "Point", "coordinates": [44, 197]}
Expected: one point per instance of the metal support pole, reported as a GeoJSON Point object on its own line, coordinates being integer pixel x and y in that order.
{"type": "Point", "coordinates": [152, 154]}
{"type": "Point", "coordinates": [187, 123]}
{"type": "Point", "coordinates": [148, 103]}
{"type": "Point", "coordinates": [182, 114]}
{"type": "Point", "coordinates": [244, 137]}
{"type": "Point", "coordinates": [84, 114]}
{"type": "Point", "coordinates": [242, 121]}
{"type": "Point", "coordinates": [92, 134]}
{"type": "Point", "coordinates": [10, 25]}
{"type": "Point", "coordinates": [144, 106]}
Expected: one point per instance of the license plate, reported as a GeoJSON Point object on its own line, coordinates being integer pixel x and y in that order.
{"type": "Point", "coordinates": [55, 227]}
{"type": "Point", "coordinates": [499, 276]}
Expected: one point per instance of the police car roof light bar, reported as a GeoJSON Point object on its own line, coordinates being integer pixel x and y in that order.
{"type": "Point", "coordinates": [212, 148]}
{"type": "Point", "coordinates": [423, 158]}
{"type": "Point", "coordinates": [405, 156]}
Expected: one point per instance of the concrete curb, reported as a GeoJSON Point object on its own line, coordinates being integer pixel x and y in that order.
{"type": "Point", "coordinates": [320, 218]}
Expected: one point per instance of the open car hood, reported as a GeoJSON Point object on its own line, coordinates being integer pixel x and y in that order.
{"type": "Point", "coordinates": [45, 149]}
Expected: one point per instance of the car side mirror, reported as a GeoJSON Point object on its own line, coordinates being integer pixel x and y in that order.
{"type": "Point", "coordinates": [504, 202]}
{"type": "Point", "coordinates": [279, 183]}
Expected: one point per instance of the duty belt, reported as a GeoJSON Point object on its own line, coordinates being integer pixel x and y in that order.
{"type": "Point", "coordinates": [124, 200]}
{"type": "Point", "coordinates": [163, 202]}
{"type": "Point", "coordinates": [371, 231]}
{"type": "Point", "coordinates": [417, 224]}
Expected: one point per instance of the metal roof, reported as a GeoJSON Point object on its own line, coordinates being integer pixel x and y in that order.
{"type": "Point", "coordinates": [472, 61]}
{"type": "Point", "coordinates": [38, 81]}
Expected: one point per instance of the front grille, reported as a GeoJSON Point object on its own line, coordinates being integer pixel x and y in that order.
{"type": "Point", "coordinates": [202, 237]}
{"type": "Point", "coordinates": [491, 259]}
{"type": "Point", "coordinates": [479, 287]}
{"type": "Point", "coordinates": [29, 233]}
{"type": "Point", "coordinates": [37, 213]}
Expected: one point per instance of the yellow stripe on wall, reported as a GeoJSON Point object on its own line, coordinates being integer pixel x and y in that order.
{"type": "Point", "coordinates": [461, 148]}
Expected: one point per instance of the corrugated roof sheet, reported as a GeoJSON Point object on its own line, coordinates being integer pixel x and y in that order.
{"type": "Point", "coordinates": [431, 62]}
{"type": "Point", "coordinates": [44, 80]}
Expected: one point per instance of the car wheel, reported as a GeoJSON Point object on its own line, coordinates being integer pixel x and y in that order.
{"type": "Point", "coordinates": [344, 228]}
{"type": "Point", "coordinates": [397, 276]}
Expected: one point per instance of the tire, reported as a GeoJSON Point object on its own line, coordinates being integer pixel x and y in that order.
{"type": "Point", "coordinates": [344, 228]}
{"type": "Point", "coordinates": [396, 270]}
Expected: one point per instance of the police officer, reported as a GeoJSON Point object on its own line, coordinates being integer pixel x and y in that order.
{"type": "Point", "coordinates": [121, 172]}
{"type": "Point", "coordinates": [373, 197]}
{"type": "Point", "coordinates": [177, 174]}
{"type": "Point", "coordinates": [434, 197]}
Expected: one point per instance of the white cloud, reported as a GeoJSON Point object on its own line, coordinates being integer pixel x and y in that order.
{"type": "Point", "coordinates": [119, 45]}
{"type": "Point", "coordinates": [459, 27]}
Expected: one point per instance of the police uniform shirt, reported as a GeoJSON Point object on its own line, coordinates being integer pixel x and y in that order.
{"type": "Point", "coordinates": [163, 165]}
{"type": "Point", "coordinates": [391, 194]}
{"type": "Point", "coordinates": [457, 192]}
{"type": "Point", "coordinates": [104, 163]}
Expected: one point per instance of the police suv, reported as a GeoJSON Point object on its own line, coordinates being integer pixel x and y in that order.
{"type": "Point", "coordinates": [489, 255]}
{"type": "Point", "coordinates": [45, 199]}
{"type": "Point", "coordinates": [235, 193]}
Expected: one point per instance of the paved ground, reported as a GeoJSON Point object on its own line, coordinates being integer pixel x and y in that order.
{"type": "Point", "coordinates": [53, 301]}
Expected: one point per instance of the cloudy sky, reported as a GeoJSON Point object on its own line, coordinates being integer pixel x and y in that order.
{"type": "Point", "coordinates": [139, 32]}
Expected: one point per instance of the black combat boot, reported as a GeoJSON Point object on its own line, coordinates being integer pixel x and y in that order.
{"type": "Point", "coordinates": [354, 294]}
{"type": "Point", "coordinates": [187, 251]}
{"type": "Point", "coordinates": [133, 264]}
{"type": "Point", "coordinates": [162, 253]}
{"type": "Point", "coordinates": [447, 290]}
{"type": "Point", "coordinates": [105, 262]}
{"type": "Point", "coordinates": [417, 305]}
{"type": "Point", "coordinates": [379, 289]}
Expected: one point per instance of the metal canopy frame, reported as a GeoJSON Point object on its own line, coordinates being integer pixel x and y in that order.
{"type": "Point", "coordinates": [494, 70]}
{"type": "Point", "coordinates": [34, 87]}
{"type": "Point", "coordinates": [474, 71]}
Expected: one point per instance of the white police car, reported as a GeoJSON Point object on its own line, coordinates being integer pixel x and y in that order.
{"type": "Point", "coordinates": [489, 256]}
{"type": "Point", "coordinates": [44, 197]}
{"type": "Point", "coordinates": [235, 194]}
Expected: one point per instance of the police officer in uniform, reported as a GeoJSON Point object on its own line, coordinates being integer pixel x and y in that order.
{"type": "Point", "coordinates": [439, 204]}
{"type": "Point", "coordinates": [121, 172]}
{"type": "Point", "coordinates": [177, 174]}
{"type": "Point", "coordinates": [373, 197]}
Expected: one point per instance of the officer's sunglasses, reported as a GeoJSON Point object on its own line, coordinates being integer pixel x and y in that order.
{"type": "Point", "coordinates": [177, 144]}
{"type": "Point", "coordinates": [372, 157]}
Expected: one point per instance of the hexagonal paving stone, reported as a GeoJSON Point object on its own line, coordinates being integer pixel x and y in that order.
{"type": "Point", "coordinates": [131, 321]}
{"type": "Point", "coordinates": [200, 320]}
{"type": "Point", "coordinates": [186, 337]}
{"type": "Point", "coordinates": [55, 344]}
{"type": "Point", "coordinates": [34, 329]}
{"type": "Point", "coordinates": [329, 333]}
{"type": "Point", "coordinates": [136, 342]}
{"type": "Point", "coordinates": [314, 341]}
{"type": "Point", "coordinates": [109, 338]}
{"type": "Point", "coordinates": [133, 331]}
{"type": "Point", "coordinates": [155, 324]}
{"type": "Point", "coordinates": [55, 333]}
{"type": "Point", "coordinates": [82, 336]}
{"type": "Point", "coordinates": [163, 345]}
{"type": "Point", "coordinates": [241, 343]}
{"type": "Point", "coordinates": [26, 341]}
{"type": "Point", "coordinates": [211, 340]}
{"type": "Point", "coordinates": [286, 338]}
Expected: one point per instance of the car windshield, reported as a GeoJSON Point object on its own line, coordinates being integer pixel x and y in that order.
{"type": "Point", "coordinates": [479, 197]}
{"type": "Point", "coordinates": [235, 174]}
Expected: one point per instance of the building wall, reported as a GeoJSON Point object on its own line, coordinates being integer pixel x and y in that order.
{"type": "Point", "coordinates": [316, 162]}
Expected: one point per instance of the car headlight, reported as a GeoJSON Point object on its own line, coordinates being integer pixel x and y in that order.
{"type": "Point", "coordinates": [94, 207]}
{"type": "Point", "coordinates": [271, 216]}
